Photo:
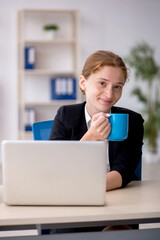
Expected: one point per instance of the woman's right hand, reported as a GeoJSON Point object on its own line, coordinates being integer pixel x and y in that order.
{"type": "Point", "coordinates": [100, 128]}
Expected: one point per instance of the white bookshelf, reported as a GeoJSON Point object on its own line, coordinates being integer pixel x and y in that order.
{"type": "Point", "coordinates": [57, 57]}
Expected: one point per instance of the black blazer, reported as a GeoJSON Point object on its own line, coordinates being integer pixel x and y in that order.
{"type": "Point", "coordinates": [124, 156]}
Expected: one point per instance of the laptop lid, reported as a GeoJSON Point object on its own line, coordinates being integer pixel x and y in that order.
{"type": "Point", "coordinates": [54, 172]}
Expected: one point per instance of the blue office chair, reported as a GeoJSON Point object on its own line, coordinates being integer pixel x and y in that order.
{"type": "Point", "coordinates": [138, 171]}
{"type": "Point", "coordinates": [41, 131]}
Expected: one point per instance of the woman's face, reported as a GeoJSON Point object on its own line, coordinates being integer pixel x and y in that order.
{"type": "Point", "coordinates": [102, 89]}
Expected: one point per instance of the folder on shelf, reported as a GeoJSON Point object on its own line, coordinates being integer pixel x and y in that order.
{"type": "Point", "coordinates": [30, 57]}
{"type": "Point", "coordinates": [63, 88]}
{"type": "Point", "coordinates": [29, 118]}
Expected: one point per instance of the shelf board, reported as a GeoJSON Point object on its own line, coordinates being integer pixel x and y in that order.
{"type": "Point", "coordinates": [50, 103]}
{"type": "Point", "coordinates": [44, 72]}
{"type": "Point", "coordinates": [39, 11]}
{"type": "Point", "coordinates": [47, 42]}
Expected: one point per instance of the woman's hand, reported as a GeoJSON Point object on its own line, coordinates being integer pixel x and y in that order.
{"type": "Point", "coordinates": [100, 128]}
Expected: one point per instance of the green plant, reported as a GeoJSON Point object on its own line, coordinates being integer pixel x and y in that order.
{"type": "Point", "coordinates": [49, 27]}
{"type": "Point", "coordinates": [141, 59]}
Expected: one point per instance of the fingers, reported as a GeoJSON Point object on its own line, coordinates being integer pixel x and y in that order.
{"type": "Point", "coordinates": [98, 115]}
{"type": "Point", "coordinates": [100, 126]}
{"type": "Point", "coordinates": [100, 120]}
{"type": "Point", "coordinates": [103, 127]}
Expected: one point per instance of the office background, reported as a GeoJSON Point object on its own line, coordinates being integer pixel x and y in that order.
{"type": "Point", "coordinates": [115, 25]}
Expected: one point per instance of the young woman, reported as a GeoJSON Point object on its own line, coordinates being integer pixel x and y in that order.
{"type": "Point", "coordinates": [103, 77]}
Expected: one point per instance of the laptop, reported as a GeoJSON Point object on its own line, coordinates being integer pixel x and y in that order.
{"type": "Point", "coordinates": [54, 172]}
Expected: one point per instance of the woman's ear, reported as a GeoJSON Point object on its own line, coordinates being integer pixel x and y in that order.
{"type": "Point", "coordinates": [82, 83]}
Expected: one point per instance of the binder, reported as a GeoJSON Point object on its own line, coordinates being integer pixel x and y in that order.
{"type": "Point", "coordinates": [63, 88]}
{"type": "Point", "coordinates": [29, 118]}
{"type": "Point", "coordinates": [30, 57]}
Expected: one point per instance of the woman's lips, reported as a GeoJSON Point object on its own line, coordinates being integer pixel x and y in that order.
{"type": "Point", "coordinates": [104, 101]}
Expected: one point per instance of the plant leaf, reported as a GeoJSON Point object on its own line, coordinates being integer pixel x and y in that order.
{"type": "Point", "coordinates": [137, 92]}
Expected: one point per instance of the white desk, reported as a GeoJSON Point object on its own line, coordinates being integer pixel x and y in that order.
{"type": "Point", "coordinates": [139, 202]}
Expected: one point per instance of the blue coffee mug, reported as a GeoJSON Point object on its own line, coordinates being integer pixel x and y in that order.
{"type": "Point", "coordinates": [119, 126]}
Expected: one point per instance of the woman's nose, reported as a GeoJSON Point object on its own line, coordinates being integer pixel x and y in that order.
{"type": "Point", "coordinates": [108, 92]}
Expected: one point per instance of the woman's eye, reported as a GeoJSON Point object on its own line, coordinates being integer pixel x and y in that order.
{"type": "Point", "coordinates": [102, 83]}
{"type": "Point", "coordinates": [118, 87]}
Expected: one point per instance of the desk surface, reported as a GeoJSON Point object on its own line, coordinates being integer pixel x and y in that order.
{"type": "Point", "coordinates": [139, 202]}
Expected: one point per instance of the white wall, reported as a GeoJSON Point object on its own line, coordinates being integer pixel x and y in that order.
{"type": "Point", "coordinates": [114, 25]}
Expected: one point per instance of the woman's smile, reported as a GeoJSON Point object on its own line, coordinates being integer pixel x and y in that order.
{"type": "Point", "coordinates": [105, 101]}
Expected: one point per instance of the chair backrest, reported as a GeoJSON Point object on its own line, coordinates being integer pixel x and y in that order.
{"type": "Point", "coordinates": [41, 130]}
{"type": "Point", "coordinates": [138, 170]}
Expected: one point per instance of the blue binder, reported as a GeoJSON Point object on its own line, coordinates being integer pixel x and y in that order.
{"type": "Point", "coordinates": [63, 88]}
{"type": "Point", "coordinates": [30, 57]}
{"type": "Point", "coordinates": [29, 118]}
